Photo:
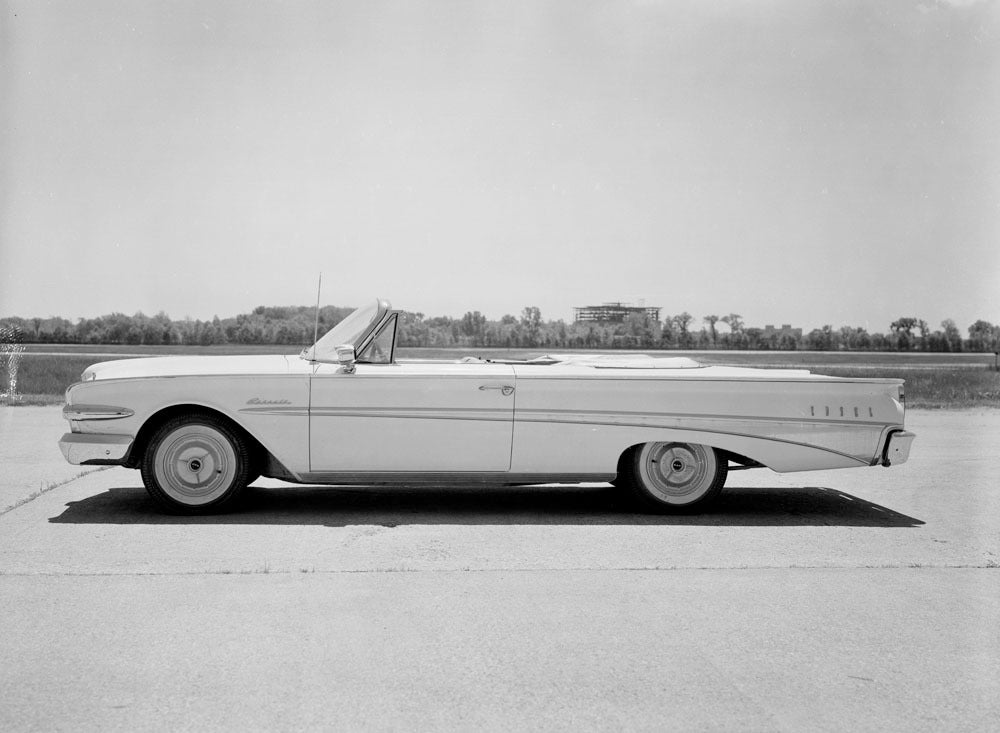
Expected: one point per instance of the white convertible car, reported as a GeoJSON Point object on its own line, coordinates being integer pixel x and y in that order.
{"type": "Point", "coordinates": [346, 411]}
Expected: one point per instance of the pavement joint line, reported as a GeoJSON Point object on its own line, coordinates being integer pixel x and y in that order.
{"type": "Point", "coordinates": [415, 571]}
{"type": "Point", "coordinates": [52, 485]}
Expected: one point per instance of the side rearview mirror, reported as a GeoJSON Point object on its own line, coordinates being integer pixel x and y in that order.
{"type": "Point", "coordinates": [346, 357]}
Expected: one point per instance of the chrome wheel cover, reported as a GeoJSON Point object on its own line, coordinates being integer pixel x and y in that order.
{"type": "Point", "coordinates": [195, 465]}
{"type": "Point", "coordinates": [677, 473]}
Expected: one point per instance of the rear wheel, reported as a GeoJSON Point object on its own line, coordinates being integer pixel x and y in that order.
{"type": "Point", "coordinates": [195, 465]}
{"type": "Point", "coordinates": [673, 477]}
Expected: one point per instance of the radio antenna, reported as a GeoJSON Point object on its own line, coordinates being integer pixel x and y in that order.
{"type": "Point", "coordinates": [319, 288]}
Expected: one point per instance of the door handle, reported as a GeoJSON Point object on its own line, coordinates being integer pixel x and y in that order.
{"type": "Point", "coordinates": [505, 389]}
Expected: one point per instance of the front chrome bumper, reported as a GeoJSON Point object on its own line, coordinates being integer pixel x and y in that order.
{"type": "Point", "coordinates": [95, 448]}
{"type": "Point", "coordinates": [897, 449]}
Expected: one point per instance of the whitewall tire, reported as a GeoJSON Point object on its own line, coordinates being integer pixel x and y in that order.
{"type": "Point", "coordinates": [673, 477]}
{"type": "Point", "coordinates": [195, 465]}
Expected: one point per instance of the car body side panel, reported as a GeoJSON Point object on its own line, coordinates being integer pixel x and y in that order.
{"type": "Point", "coordinates": [798, 424]}
{"type": "Point", "coordinates": [598, 447]}
{"type": "Point", "coordinates": [412, 417]}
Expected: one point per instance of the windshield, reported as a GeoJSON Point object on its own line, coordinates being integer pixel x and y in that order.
{"type": "Point", "coordinates": [348, 331]}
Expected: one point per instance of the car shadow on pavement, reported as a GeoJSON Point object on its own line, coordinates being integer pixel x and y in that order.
{"type": "Point", "coordinates": [523, 505]}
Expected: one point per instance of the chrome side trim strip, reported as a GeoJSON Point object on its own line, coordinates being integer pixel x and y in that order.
{"type": "Point", "coordinates": [419, 413]}
{"type": "Point", "coordinates": [556, 416]}
{"type": "Point", "coordinates": [562, 415]}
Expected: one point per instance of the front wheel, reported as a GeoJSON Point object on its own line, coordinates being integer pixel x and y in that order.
{"type": "Point", "coordinates": [195, 465]}
{"type": "Point", "coordinates": [673, 477]}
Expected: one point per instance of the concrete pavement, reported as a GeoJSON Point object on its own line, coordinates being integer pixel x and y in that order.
{"type": "Point", "coordinates": [862, 599]}
{"type": "Point", "coordinates": [30, 460]}
{"type": "Point", "coordinates": [780, 649]}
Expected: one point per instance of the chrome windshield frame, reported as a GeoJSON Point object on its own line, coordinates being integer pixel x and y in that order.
{"type": "Point", "coordinates": [377, 332]}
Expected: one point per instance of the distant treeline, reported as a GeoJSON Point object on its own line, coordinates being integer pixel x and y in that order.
{"type": "Point", "coordinates": [293, 325]}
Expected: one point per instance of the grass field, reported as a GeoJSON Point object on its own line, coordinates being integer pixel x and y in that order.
{"type": "Point", "coordinates": [932, 380]}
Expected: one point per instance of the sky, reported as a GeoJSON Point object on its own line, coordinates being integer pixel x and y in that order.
{"type": "Point", "coordinates": [791, 161]}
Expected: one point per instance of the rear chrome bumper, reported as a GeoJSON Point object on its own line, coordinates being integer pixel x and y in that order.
{"type": "Point", "coordinates": [897, 448]}
{"type": "Point", "coordinates": [95, 449]}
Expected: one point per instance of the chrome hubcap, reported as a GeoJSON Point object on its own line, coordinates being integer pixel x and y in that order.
{"type": "Point", "coordinates": [678, 471]}
{"type": "Point", "coordinates": [195, 464]}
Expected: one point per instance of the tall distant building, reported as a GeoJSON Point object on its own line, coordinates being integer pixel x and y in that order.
{"type": "Point", "coordinates": [785, 330]}
{"type": "Point", "coordinates": [613, 313]}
